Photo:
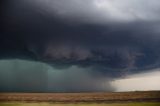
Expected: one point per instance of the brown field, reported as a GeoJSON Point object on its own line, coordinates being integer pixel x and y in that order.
{"type": "Point", "coordinates": [152, 96]}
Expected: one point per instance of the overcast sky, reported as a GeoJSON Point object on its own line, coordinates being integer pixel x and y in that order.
{"type": "Point", "coordinates": [102, 42]}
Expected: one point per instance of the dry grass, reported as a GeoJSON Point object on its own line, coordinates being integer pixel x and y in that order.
{"type": "Point", "coordinates": [80, 104]}
{"type": "Point", "coordinates": [82, 97]}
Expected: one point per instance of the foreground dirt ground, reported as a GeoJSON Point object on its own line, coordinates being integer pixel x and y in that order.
{"type": "Point", "coordinates": [80, 104]}
{"type": "Point", "coordinates": [150, 96]}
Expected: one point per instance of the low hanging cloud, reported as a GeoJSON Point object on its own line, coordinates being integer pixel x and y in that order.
{"type": "Point", "coordinates": [37, 30]}
{"type": "Point", "coordinates": [77, 79]}
{"type": "Point", "coordinates": [28, 76]}
{"type": "Point", "coordinates": [110, 38]}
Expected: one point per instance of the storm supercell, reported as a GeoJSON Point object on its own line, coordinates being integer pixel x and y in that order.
{"type": "Point", "coordinates": [79, 45]}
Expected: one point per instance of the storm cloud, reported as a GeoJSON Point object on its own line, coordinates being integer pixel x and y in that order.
{"type": "Point", "coordinates": [28, 76]}
{"type": "Point", "coordinates": [111, 38]}
{"type": "Point", "coordinates": [100, 11]}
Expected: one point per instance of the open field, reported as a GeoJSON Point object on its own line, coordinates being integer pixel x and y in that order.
{"type": "Point", "coordinates": [153, 96]}
{"type": "Point", "coordinates": [81, 99]}
{"type": "Point", "coordinates": [80, 104]}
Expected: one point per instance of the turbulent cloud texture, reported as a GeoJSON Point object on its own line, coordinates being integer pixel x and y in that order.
{"type": "Point", "coordinates": [113, 38]}
{"type": "Point", "coordinates": [102, 10]}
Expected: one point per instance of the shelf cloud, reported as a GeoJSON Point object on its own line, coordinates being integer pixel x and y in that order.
{"type": "Point", "coordinates": [111, 38]}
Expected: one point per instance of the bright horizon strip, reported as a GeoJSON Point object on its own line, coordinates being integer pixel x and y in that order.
{"type": "Point", "coordinates": [138, 82]}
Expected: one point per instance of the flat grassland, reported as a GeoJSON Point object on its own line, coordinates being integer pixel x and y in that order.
{"type": "Point", "coordinates": [80, 104]}
{"type": "Point", "coordinates": [148, 98]}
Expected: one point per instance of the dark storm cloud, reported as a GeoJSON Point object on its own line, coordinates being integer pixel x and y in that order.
{"type": "Point", "coordinates": [54, 31]}
{"type": "Point", "coordinates": [100, 11]}
{"type": "Point", "coordinates": [20, 75]}
{"type": "Point", "coordinates": [111, 37]}
{"type": "Point", "coordinates": [28, 76]}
